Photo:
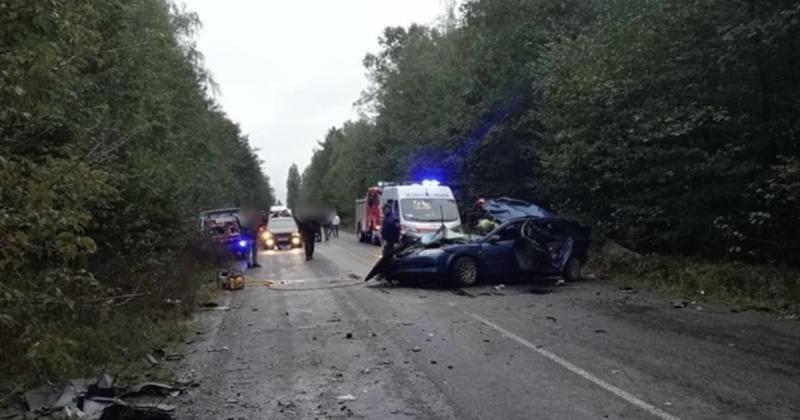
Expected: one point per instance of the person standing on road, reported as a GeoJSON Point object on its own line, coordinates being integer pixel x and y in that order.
{"type": "Point", "coordinates": [335, 224]}
{"type": "Point", "coordinates": [390, 230]}
{"type": "Point", "coordinates": [309, 229]}
{"type": "Point", "coordinates": [249, 230]}
{"type": "Point", "coordinates": [327, 226]}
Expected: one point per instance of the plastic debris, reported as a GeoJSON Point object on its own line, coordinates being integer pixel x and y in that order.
{"type": "Point", "coordinates": [150, 388]}
{"type": "Point", "coordinates": [346, 397]}
{"type": "Point", "coordinates": [173, 356]}
{"type": "Point", "coordinates": [98, 400]}
{"type": "Point", "coordinates": [153, 361]}
{"type": "Point", "coordinates": [47, 399]}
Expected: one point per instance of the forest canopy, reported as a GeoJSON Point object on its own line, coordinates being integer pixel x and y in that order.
{"type": "Point", "coordinates": [669, 126]}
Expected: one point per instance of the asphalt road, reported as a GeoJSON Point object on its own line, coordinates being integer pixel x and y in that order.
{"type": "Point", "coordinates": [319, 343]}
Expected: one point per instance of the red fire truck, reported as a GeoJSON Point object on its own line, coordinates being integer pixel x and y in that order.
{"type": "Point", "coordinates": [368, 217]}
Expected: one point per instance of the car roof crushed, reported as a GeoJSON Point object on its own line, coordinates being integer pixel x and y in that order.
{"type": "Point", "coordinates": [504, 209]}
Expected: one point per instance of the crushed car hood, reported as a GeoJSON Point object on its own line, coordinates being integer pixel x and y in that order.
{"type": "Point", "coordinates": [504, 209]}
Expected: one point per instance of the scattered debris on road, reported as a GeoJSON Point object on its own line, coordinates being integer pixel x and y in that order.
{"type": "Point", "coordinates": [231, 279]}
{"type": "Point", "coordinates": [600, 331]}
{"type": "Point", "coordinates": [416, 349]}
{"type": "Point", "coordinates": [349, 336]}
{"type": "Point", "coordinates": [346, 397]}
{"type": "Point", "coordinates": [286, 406]}
{"type": "Point", "coordinates": [551, 318]}
{"type": "Point", "coordinates": [462, 292]}
{"type": "Point", "coordinates": [500, 287]}
{"type": "Point", "coordinates": [541, 291]}
{"type": "Point", "coordinates": [215, 307]}
{"type": "Point", "coordinates": [101, 400]}
{"type": "Point", "coordinates": [152, 360]}
{"type": "Point", "coordinates": [678, 304]}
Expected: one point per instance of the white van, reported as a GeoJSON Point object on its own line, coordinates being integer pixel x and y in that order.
{"type": "Point", "coordinates": [422, 208]}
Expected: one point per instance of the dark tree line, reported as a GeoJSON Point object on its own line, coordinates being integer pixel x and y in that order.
{"type": "Point", "coordinates": [668, 125]}
{"type": "Point", "coordinates": [110, 145]}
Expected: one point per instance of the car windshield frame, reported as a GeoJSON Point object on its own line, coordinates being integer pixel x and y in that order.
{"type": "Point", "coordinates": [450, 212]}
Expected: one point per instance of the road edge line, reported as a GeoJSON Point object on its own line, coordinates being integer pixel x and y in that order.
{"type": "Point", "coordinates": [630, 398]}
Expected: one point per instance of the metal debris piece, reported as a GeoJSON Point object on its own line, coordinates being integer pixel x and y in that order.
{"type": "Point", "coordinates": [153, 361]}
{"type": "Point", "coordinates": [150, 388]}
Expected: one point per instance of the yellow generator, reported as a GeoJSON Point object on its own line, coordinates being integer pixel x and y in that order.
{"type": "Point", "coordinates": [231, 279]}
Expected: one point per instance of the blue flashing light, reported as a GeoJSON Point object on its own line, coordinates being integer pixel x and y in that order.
{"type": "Point", "coordinates": [430, 183]}
{"type": "Point", "coordinates": [242, 244]}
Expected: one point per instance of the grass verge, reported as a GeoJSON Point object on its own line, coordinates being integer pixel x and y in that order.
{"type": "Point", "coordinates": [112, 334]}
{"type": "Point", "coordinates": [768, 288]}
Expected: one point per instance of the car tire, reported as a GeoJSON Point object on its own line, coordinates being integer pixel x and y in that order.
{"type": "Point", "coordinates": [572, 270]}
{"type": "Point", "coordinates": [464, 272]}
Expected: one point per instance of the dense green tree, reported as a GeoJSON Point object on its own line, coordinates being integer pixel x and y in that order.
{"type": "Point", "coordinates": [670, 123]}
{"type": "Point", "coordinates": [110, 146]}
{"type": "Point", "coordinates": [293, 182]}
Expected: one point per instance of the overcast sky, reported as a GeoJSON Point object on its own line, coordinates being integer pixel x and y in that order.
{"type": "Point", "coordinates": [288, 70]}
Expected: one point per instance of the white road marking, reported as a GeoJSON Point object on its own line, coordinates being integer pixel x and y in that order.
{"type": "Point", "coordinates": [655, 411]}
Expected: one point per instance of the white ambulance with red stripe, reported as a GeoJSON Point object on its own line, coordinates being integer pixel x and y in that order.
{"type": "Point", "coordinates": [422, 207]}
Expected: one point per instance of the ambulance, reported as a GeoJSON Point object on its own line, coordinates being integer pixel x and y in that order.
{"type": "Point", "coordinates": [421, 207]}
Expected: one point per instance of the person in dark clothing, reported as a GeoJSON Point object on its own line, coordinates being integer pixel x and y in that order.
{"type": "Point", "coordinates": [390, 230]}
{"type": "Point", "coordinates": [248, 227]}
{"type": "Point", "coordinates": [309, 229]}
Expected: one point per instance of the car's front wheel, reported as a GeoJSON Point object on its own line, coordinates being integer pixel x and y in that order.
{"type": "Point", "coordinates": [464, 272]}
{"type": "Point", "coordinates": [572, 270]}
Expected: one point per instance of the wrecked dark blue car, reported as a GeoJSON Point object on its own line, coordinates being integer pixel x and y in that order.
{"type": "Point", "coordinates": [524, 239]}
